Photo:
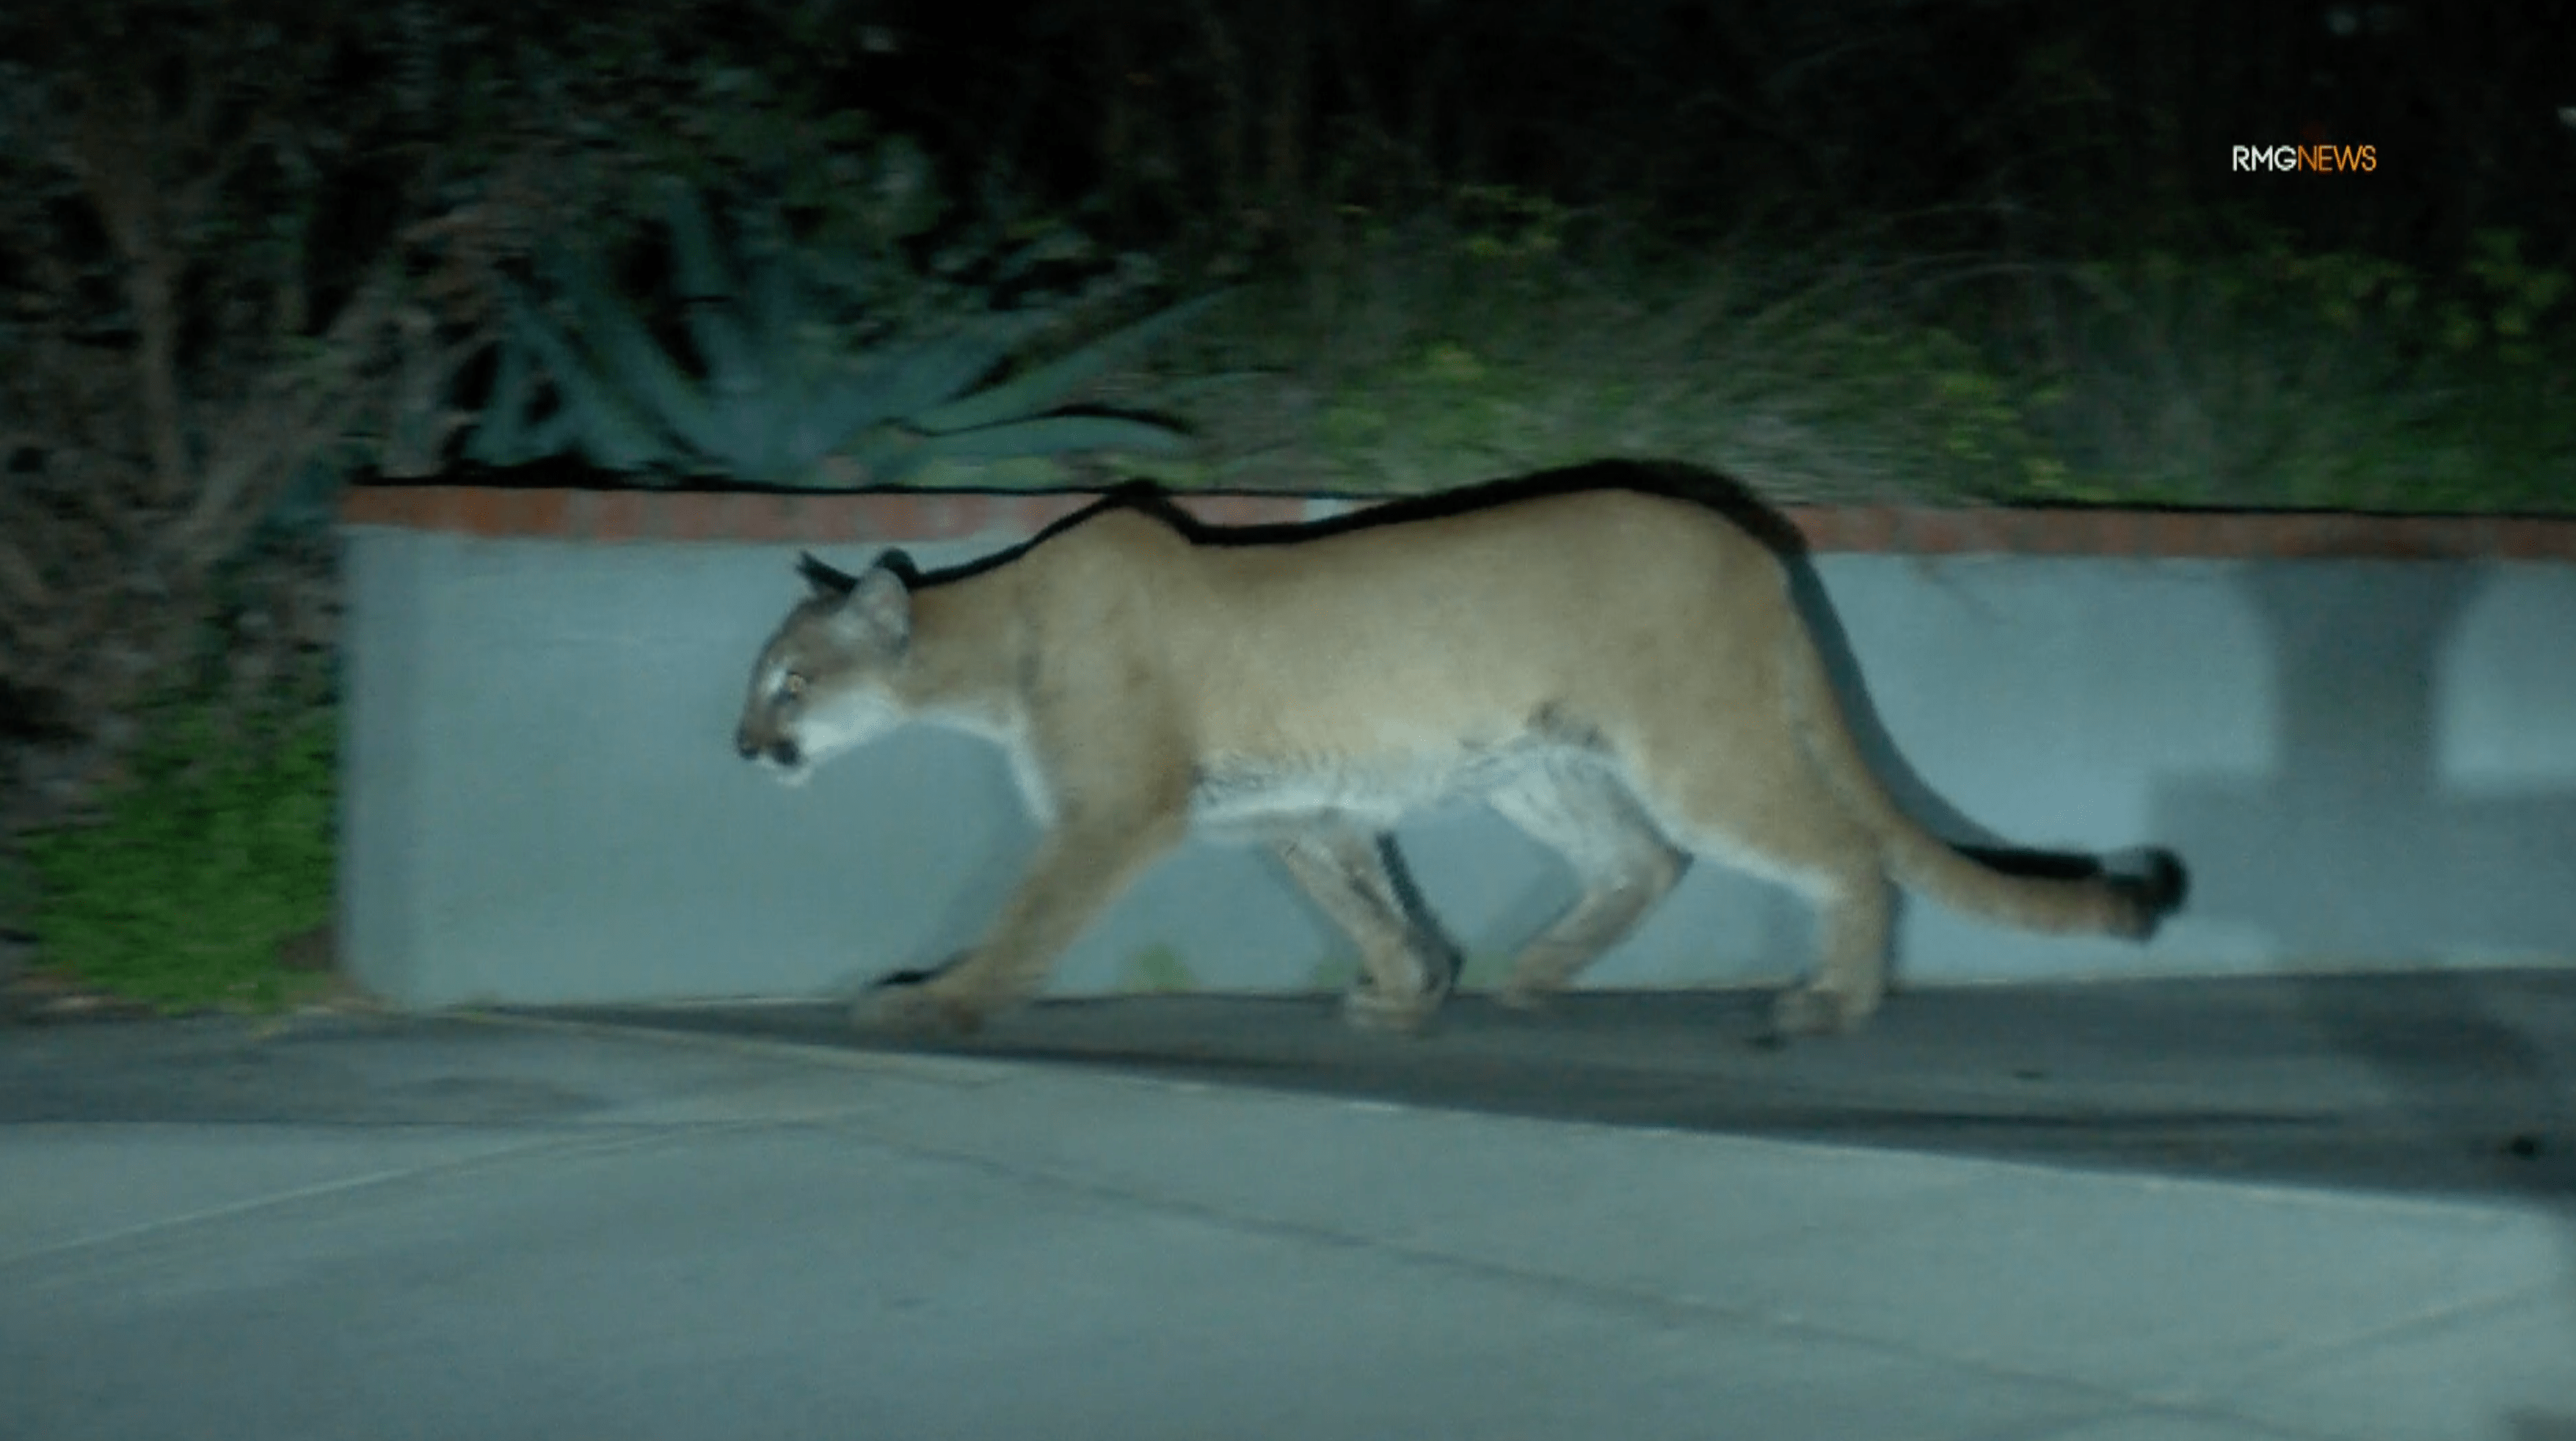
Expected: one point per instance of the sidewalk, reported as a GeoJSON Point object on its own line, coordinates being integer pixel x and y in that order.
{"type": "Point", "coordinates": [495, 1228]}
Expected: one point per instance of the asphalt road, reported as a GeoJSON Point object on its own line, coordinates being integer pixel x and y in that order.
{"type": "Point", "coordinates": [1189, 1217]}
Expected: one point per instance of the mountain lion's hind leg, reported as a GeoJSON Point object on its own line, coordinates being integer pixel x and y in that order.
{"type": "Point", "coordinates": [1769, 812]}
{"type": "Point", "coordinates": [1622, 861]}
{"type": "Point", "coordinates": [1358, 879]}
{"type": "Point", "coordinates": [1854, 912]}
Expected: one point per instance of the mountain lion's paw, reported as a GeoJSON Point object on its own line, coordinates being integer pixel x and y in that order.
{"type": "Point", "coordinates": [914, 1006]}
{"type": "Point", "coordinates": [1816, 1011]}
{"type": "Point", "coordinates": [1368, 1009]}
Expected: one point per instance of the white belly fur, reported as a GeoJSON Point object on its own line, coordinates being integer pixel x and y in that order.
{"type": "Point", "coordinates": [1249, 800]}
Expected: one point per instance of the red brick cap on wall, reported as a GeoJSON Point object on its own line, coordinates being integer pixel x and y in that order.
{"type": "Point", "coordinates": [914, 516]}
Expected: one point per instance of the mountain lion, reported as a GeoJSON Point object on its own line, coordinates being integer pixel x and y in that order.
{"type": "Point", "coordinates": [1623, 675]}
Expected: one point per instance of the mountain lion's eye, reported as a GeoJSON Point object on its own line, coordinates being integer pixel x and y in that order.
{"type": "Point", "coordinates": [791, 685]}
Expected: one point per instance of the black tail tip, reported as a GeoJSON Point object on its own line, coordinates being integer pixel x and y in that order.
{"type": "Point", "coordinates": [2157, 883]}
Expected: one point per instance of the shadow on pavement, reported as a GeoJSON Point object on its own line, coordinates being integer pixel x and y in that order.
{"type": "Point", "coordinates": [2408, 1083]}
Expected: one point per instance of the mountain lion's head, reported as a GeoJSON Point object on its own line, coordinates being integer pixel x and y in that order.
{"type": "Point", "coordinates": [824, 683]}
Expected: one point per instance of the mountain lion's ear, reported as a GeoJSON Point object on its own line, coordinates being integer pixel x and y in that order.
{"type": "Point", "coordinates": [902, 566]}
{"type": "Point", "coordinates": [876, 611]}
{"type": "Point", "coordinates": [825, 580]}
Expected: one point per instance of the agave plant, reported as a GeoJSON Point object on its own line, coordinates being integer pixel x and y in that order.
{"type": "Point", "coordinates": [772, 402]}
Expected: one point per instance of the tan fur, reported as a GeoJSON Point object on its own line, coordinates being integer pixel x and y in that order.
{"type": "Point", "coordinates": [1621, 675]}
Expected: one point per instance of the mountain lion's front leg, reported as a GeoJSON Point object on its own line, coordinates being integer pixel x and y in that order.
{"type": "Point", "coordinates": [1358, 878]}
{"type": "Point", "coordinates": [1079, 869]}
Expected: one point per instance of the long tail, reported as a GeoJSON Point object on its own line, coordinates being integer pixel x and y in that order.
{"type": "Point", "coordinates": [2080, 897]}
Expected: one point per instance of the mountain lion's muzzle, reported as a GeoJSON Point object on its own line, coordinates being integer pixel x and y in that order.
{"type": "Point", "coordinates": [778, 751]}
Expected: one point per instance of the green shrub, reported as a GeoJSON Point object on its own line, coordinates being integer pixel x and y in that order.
{"type": "Point", "coordinates": [1492, 334]}
{"type": "Point", "coordinates": [2282, 378]}
{"type": "Point", "coordinates": [217, 848]}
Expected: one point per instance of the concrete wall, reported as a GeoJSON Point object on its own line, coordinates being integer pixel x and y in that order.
{"type": "Point", "coordinates": [2366, 762]}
